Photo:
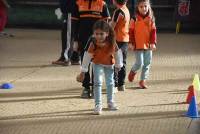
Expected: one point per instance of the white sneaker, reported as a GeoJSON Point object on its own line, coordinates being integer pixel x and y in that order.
{"type": "Point", "coordinates": [115, 90]}
{"type": "Point", "coordinates": [112, 106]}
{"type": "Point", "coordinates": [97, 110]}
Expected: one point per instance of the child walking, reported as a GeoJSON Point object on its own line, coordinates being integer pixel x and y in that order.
{"type": "Point", "coordinates": [143, 39]}
{"type": "Point", "coordinates": [120, 23]}
{"type": "Point", "coordinates": [104, 54]}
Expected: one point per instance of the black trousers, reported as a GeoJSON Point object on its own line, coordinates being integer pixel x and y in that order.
{"type": "Point", "coordinates": [71, 54]}
{"type": "Point", "coordinates": [64, 37]}
{"type": "Point", "coordinates": [121, 75]}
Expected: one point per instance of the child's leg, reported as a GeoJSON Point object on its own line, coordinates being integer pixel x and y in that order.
{"type": "Point", "coordinates": [98, 80]}
{"type": "Point", "coordinates": [109, 72]}
{"type": "Point", "coordinates": [147, 58]}
{"type": "Point", "coordinates": [138, 60]}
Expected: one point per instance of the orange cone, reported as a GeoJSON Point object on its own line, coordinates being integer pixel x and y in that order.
{"type": "Point", "coordinates": [190, 94]}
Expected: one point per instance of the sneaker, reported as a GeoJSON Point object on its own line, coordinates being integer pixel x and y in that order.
{"type": "Point", "coordinates": [85, 93]}
{"type": "Point", "coordinates": [142, 84]}
{"type": "Point", "coordinates": [112, 106]}
{"type": "Point", "coordinates": [6, 34]}
{"type": "Point", "coordinates": [75, 62]}
{"type": "Point", "coordinates": [121, 88]}
{"type": "Point", "coordinates": [131, 76]}
{"type": "Point", "coordinates": [67, 63]}
{"type": "Point", "coordinates": [61, 62]}
{"type": "Point", "coordinates": [58, 62]}
{"type": "Point", "coordinates": [97, 110]}
{"type": "Point", "coordinates": [115, 90]}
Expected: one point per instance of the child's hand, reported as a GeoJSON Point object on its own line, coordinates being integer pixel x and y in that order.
{"type": "Point", "coordinates": [153, 46]}
{"type": "Point", "coordinates": [130, 46]}
{"type": "Point", "coordinates": [80, 77]}
{"type": "Point", "coordinates": [117, 69]}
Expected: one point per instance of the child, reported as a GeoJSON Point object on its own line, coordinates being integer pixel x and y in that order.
{"type": "Point", "coordinates": [120, 23]}
{"type": "Point", "coordinates": [104, 54]}
{"type": "Point", "coordinates": [143, 38]}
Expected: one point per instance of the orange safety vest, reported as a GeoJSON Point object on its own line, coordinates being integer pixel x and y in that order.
{"type": "Point", "coordinates": [103, 55]}
{"type": "Point", "coordinates": [142, 31]}
{"type": "Point", "coordinates": [93, 9]}
{"type": "Point", "coordinates": [122, 26]}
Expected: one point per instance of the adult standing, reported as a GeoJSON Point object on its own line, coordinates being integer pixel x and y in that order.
{"type": "Point", "coordinates": [67, 34]}
{"type": "Point", "coordinates": [88, 12]}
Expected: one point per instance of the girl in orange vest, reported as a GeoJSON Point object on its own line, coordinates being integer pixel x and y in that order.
{"type": "Point", "coordinates": [105, 55]}
{"type": "Point", "coordinates": [143, 40]}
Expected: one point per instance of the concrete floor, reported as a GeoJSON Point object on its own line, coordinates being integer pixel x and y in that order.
{"type": "Point", "coordinates": [46, 98]}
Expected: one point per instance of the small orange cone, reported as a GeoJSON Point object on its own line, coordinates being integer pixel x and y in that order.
{"type": "Point", "coordinates": [190, 94]}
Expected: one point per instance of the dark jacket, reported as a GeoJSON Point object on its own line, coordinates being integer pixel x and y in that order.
{"type": "Point", "coordinates": [67, 6]}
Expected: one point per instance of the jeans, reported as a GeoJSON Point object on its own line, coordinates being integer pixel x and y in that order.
{"type": "Point", "coordinates": [99, 71]}
{"type": "Point", "coordinates": [121, 75]}
{"type": "Point", "coordinates": [143, 60]}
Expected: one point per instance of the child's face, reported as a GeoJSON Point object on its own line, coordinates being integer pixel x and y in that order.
{"type": "Point", "coordinates": [143, 8]}
{"type": "Point", "coordinates": [100, 35]}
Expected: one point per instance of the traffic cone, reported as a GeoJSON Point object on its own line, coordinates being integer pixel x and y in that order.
{"type": "Point", "coordinates": [6, 86]}
{"type": "Point", "coordinates": [196, 83]}
{"type": "Point", "coordinates": [190, 94]}
{"type": "Point", "coordinates": [193, 109]}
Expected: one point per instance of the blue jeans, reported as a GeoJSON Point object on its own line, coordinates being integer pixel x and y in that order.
{"type": "Point", "coordinates": [99, 71]}
{"type": "Point", "coordinates": [143, 60]}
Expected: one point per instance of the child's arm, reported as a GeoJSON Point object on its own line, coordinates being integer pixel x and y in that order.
{"type": "Point", "coordinates": [131, 33]}
{"type": "Point", "coordinates": [118, 59]}
{"type": "Point", "coordinates": [86, 61]}
{"type": "Point", "coordinates": [118, 14]}
{"type": "Point", "coordinates": [87, 57]}
{"type": "Point", "coordinates": [84, 67]}
{"type": "Point", "coordinates": [153, 37]}
{"type": "Point", "coordinates": [105, 13]}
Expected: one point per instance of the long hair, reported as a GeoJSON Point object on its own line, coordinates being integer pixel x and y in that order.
{"type": "Point", "coordinates": [150, 12]}
{"type": "Point", "coordinates": [105, 27]}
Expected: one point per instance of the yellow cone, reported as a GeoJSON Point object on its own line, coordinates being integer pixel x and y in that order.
{"type": "Point", "coordinates": [196, 83]}
{"type": "Point", "coordinates": [196, 86]}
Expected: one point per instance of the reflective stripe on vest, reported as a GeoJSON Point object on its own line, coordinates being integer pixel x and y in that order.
{"type": "Point", "coordinates": [93, 9]}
